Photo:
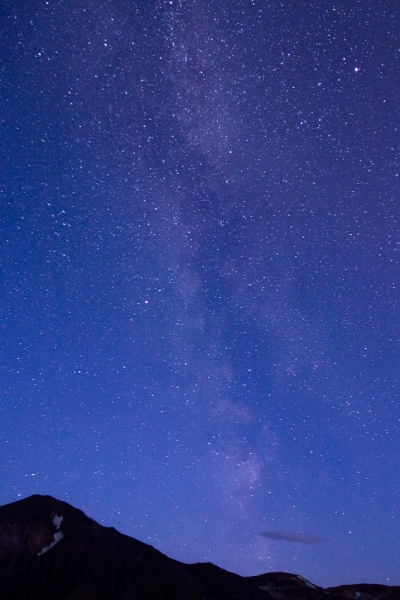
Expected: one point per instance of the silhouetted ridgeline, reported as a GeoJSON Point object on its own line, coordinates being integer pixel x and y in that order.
{"type": "Point", "coordinates": [50, 550]}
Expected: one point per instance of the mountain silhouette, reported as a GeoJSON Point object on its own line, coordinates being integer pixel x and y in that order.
{"type": "Point", "coordinates": [50, 550]}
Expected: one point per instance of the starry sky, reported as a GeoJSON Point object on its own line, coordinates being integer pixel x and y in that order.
{"type": "Point", "coordinates": [200, 318]}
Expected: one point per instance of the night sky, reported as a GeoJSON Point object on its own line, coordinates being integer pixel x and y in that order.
{"type": "Point", "coordinates": [200, 319]}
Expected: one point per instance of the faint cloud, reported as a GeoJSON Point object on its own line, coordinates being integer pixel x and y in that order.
{"type": "Point", "coordinates": [292, 536]}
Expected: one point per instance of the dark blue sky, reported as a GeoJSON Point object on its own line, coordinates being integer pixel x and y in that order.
{"type": "Point", "coordinates": [200, 324]}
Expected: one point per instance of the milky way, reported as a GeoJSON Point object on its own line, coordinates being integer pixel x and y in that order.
{"type": "Point", "coordinates": [200, 206]}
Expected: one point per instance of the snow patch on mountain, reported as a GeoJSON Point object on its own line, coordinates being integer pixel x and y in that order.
{"type": "Point", "coordinates": [57, 536]}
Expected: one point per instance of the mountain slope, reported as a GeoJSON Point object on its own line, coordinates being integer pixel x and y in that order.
{"type": "Point", "coordinates": [50, 550]}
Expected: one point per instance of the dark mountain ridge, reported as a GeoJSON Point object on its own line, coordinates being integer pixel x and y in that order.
{"type": "Point", "coordinates": [50, 550]}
